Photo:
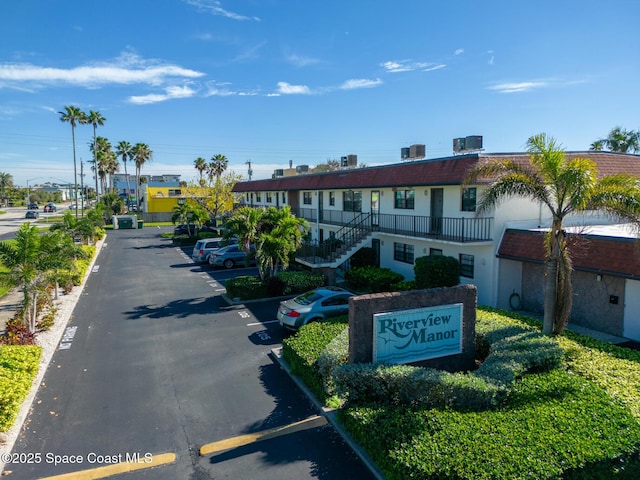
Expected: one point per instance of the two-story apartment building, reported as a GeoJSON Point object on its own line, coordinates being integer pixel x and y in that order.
{"type": "Point", "coordinates": [417, 208]}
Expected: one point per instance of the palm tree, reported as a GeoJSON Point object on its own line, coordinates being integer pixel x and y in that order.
{"type": "Point", "coordinates": [95, 119]}
{"type": "Point", "coordinates": [74, 116]}
{"type": "Point", "coordinates": [217, 166]}
{"type": "Point", "coordinates": [183, 214]}
{"type": "Point", "coordinates": [619, 140]}
{"type": "Point", "coordinates": [6, 181]}
{"type": "Point", "coordinates": [201, 166]}
{"type": "Point", "coordinates": [21, 259]}
{"type": "Point", "coordinates": [125, 150]}
{"type": "Point", "coordinates": [281, 235]}
{"type": "Point", "coordinates": [141, 155]}
{"type": "Point", "coordinates": [58, 252]}
{"type": "Point", "coordinates": [565, 187]}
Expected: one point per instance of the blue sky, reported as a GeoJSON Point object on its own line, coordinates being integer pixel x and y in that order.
{"type": "Point", "coordinates": [269, 81]}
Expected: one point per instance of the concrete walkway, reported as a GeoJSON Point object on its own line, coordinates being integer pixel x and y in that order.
{"type": "Point", "coordinates": [9, 304]}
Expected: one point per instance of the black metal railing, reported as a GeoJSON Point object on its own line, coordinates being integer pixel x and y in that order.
{"type": "Point", "coordinates": [339, 244]}
{"type": "Point", "coordinates": [453, 229]}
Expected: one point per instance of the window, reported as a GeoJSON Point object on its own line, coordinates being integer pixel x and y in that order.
{"type": "Point", "coordinates": [269, 197]}
{"type": "Point", "coordinates": [466, 265]}
{"type": "Point", "coordinates": [435, 251]}
{"type": "Point", "coordinates": [405, 199]}
{"type": "Point", "coordinates": [306, 198]}
{"type": "Point", "coordinates": [332, 199]}
{"type": "Point", "coordinates": [175, 193]}
{"type": "Point", "coordinates": [247, 197]}
{"type": "Point", "coordinates": [352, 201]}
{"type": "Point", "coordinates": [469, 199]}
{"type": "Point", "coordinates": [258, 196]}
{"type": "Point", "coordinates": [284, 198]}
{"type": "Point", "coordinates": [403, 252]}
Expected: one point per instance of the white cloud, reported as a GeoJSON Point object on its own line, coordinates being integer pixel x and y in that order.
{"type": "Point", "coordinates": [518, 87]}
{"type": "Point", "coordinates": [409, 66]}
{"type": "Point", "coordinates": [288, 89]}
{"type": "Point", "coordinates": [214, 7]}
{"type": "Point", "coordinates": [301, 61]}
{"type": "Point", "coordinates": [459, 51]}
{"type": "Point", "coordinates": [170, 94]}
{"type": "Point", "coordinates": [127, 69]}
{"type": "Point", "coordinates": [360, 83]}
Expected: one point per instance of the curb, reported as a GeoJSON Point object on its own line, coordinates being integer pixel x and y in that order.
{"type": "Point", "coordinates": [329, 413]}
{"type": "Point", "coordinates": [56, 333]}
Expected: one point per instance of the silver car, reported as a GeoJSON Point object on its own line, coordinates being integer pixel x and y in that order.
{"type": "Point", "coordinates": [313, 305]}
{"type": "Point", "coordinates": [205, 247]}
{"type": "Point", "coordinates": [231, 256]}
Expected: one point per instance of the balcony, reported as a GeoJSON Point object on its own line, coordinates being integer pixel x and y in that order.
{"type": "Point", "coordinates": [460, 230]}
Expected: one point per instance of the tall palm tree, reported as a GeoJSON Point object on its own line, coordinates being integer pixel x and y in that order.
{"type": "Point", "coordinates": [619, 140]}
{"type": "Point", "coordinates": [21, 258]}
{"type": "Point", "coordinates": [105, 156]}
{"type": "Point", "coordinates": [141, 155]}
{"type": "Point", "coordinates": [565, 187]}
{"type": "Point", "coordinates": [6, 181]}
{"type": "Point", "coordinates": [95, 119]}
{"type": "Point", "coordinates": [201, 166]}
{"type": "Point", "coordinates": [74, 116]}
{"type": "Point", "coordinates": [217, 166]}
{"type": "Point", "coordinates": [125, 150]}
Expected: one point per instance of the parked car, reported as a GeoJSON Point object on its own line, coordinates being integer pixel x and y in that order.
{"type": "Point", "coordinates": [229, 257]}
{"type": "Point", "coordinates": [313, 305]}
{"type": "Point", "coordinates": [73, 206]}
{"type": "Point", "coordinates": [32, 206]}
{"type": "Point", "coordinates": [31, 214]}
{"type": "Point", "coordinates": [185, 229]}
{"type": "Point", "coordinates": [204, 248]}
{"type": "Point", "coordinates": [50, 207]}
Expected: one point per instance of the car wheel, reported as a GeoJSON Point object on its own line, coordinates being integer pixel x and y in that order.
{"type": "Point", "coordinates": [228, 263]}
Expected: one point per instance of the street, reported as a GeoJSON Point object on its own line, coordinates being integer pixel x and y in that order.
{"type": "Point", "coordinates": [154, 365]}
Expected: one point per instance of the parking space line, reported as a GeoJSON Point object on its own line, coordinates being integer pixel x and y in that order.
{"type": "Point", "coordinates": [117, 468]}
{"type": "Point", "coordinates": [261, 323]}
{"type": "Point", "coordinates": [241, 440]}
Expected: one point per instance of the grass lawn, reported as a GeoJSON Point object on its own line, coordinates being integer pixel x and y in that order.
{"type": "Point", "coordinates": [579, 420]}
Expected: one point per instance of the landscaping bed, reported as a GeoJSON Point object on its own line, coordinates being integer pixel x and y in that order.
{"type": "Point", "coordinates": [562, 407]}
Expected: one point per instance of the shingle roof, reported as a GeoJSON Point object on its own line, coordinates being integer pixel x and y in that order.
{"type": "Point", "coordinates": [607, 255]}
{"type": "Point", "coordinates": [441, 171]}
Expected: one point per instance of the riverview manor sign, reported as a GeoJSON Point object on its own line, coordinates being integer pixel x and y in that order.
{"type": "Point", "coordinates": [432, 328]}
{"type": "Point", "coordinates": [404, 336]}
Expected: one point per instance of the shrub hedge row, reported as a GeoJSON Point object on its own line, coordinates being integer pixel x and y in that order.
{"type": "Point", "coordinates": [18, 368]}
{"type": "Point", "coordinates": [286, 283]}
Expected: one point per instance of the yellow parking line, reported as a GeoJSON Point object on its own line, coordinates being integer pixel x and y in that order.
{"type": "Point", "coordinates": [116, 468]}
{"type": "Point", "coordinates": [239, 441]}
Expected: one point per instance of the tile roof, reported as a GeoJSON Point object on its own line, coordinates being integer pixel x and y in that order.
{"type": "Point", "coordinates": [440, 171]}
{"type": "Point", "coordinates": [617, 256]}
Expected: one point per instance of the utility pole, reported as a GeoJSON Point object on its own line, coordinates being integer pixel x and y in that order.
{"type": "Point", "coordinates": [248, 162]}
{"type": "Point", "coordinates": [81, 187]}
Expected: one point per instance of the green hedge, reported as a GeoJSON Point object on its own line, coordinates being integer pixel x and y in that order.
{"type": "Point", "coordinates": [569, 406]}
{"type": "Point", "coordinates": [286, 283]}
{"type": "Point", "coordinates": [246, 288]}
{"type": "Point", "coordinates": [434, 271]}
{"type": "Point", "coordinates": [18, 368]}
{"type": "Point", "coordinates": [372, 279]}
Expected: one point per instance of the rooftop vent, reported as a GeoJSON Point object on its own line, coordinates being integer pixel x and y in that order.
{"type": "Point", "coordinates": [413, 152]}
{"type": "Point", "coordinates": [467, 144]}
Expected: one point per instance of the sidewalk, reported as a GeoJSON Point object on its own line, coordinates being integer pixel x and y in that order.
{"type": "Point", "coordinates": [9, 304]}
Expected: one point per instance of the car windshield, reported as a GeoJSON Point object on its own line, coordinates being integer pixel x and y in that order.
{"type": "Point", "coordinates": [308, 298]}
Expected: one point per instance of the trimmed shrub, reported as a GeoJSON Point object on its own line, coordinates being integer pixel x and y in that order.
{"type": "Point", "coordinates": [365, 257]}
{"type": "Point", "coordinates": [335, 354]}
{"type": "Point", "coordinates": [435, 271]}
{"type": "Point", "coordinates": [372, 279]}
{"type": "Point", "coordinates": [299, 282]}
{"type": "Point", "coordinates": [245, 288]}
{"type": "Point", "coordinates": [18, 368]}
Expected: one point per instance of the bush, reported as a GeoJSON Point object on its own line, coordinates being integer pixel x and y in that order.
{"type": "Point", "coordinates": [246, 288]}
{"type": "Point", "coordinates": [300, 282]}
{"type": "Point", "coordinates": [18, 368]}
{"type": "Point", "coordinates": [17, 333]}
{"type": "Point", "coordinates": [372, 279]}
{"type": "Point", "coordinates": [365, 257]}
{"type": "Point", "coordinates": [303, 350]}
{"type": "Point", "coordinates": [435, 271]}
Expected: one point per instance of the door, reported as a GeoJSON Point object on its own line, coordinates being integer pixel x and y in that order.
{"type": "Point", "coordinates": [437, 196]}
{"type": "Point", "coordinates": [632, 310]}
{"type": "Point", "coordinates": [375, 244]}
{"type": "Point", "coordinates": [375, 208]}
{"type": "Point", "coordinates": [320, 206]}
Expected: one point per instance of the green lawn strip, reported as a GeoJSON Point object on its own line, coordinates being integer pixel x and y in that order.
{"type": "Point", "coordinates": [578, 421]}
{"type": "Point", "coordinates": [553, 424]}
{"type": "Point", "coordinates": [18, 368]}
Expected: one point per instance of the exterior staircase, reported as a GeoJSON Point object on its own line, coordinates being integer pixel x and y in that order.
{"type": "Point", "coordinates": [340, 247]}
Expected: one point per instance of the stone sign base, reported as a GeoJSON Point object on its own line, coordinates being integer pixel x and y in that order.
{"type": "Point", "coordinates": [362, 328]}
